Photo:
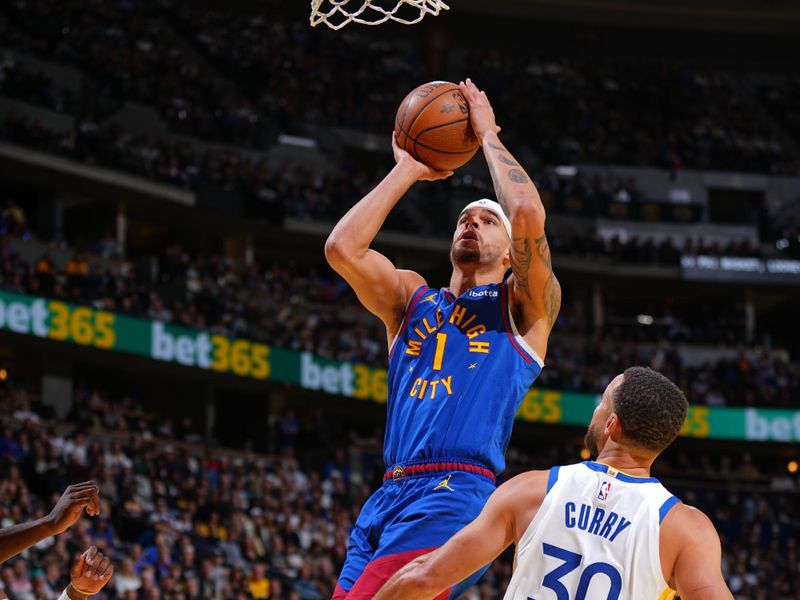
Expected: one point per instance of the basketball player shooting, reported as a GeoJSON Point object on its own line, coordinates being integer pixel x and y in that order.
{"type": "Point", "coordinates": [603, 530]}
{"type": "Point", "coordinates": [461, 358]}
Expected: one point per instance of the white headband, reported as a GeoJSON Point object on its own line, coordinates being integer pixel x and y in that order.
{"type": "Point", "coordinates": [492, 207]}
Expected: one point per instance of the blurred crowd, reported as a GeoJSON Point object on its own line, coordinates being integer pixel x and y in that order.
{"type": "Point", "coordinates": [780, 98]}
{"type": "Point", "coordinates": [183, 520]}
{"type": "Point", "coordinates": [759, 535]}
{"type": "Point", "coordinates": [239, 76]}
{"type": "Point", "coordinates": [585, 363]}
{"type": "Point", "coordinates": [305, 308]}
{"type": "Point", "coordinates": [273, 192]}
{"type": "Point", "coordinates": [645, 251]}
{"type": "Point", "coordinates": [95, 407]}
{"type": "Point", "coordinates": [180, 523]}
{"type": "Point", "coordinates": [590, 108]}
{"type": "Point", "coordinates": [131, 54]}
{"type": "Point", "coordinates": [35, 87]}
{"type": "Point", "coordinates": [299, 76]}
{"type": "Point", "coordinates": [266, 191]}
{"type": "Point", "coordinates": [284, 305]}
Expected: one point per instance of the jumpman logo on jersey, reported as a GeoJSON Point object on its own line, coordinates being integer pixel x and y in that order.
{"type": "Point", "coordinates": [444, 483]}
{"type": "Point", "coordinates": [430, 298]}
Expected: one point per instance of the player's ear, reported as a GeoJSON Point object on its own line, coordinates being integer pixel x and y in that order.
{"type": "Point", "coordinates": [613, 428]}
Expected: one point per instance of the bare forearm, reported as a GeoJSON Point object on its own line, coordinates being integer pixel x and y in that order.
{"type": "Point", "coordinates": [357, 229]}
{"type": "Point", "coordinates": [403, 588]}
{"type": "Point", "coordinates": [409, 583]}
{"type": "Point", "coordinates": [514, 188]}
{"type": "Point", "coordinates": [534, 281]}
{"type": "Point", "coordinates": [17, 538]}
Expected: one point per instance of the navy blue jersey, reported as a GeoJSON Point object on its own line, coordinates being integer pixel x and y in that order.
{"type": "Point", "coordinates": [458, 371]}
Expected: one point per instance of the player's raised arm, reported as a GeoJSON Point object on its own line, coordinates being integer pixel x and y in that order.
{"type": "Point", "coordinates": [535, 293]}
{"type": "Point", "coordinates": [383, 289]}
{"type": "Point", "coordinates": [505, 517]}
{"type": "Point", "coordinates": [697, 573]}
{"type": "Point", "coordinates": [70, 507]}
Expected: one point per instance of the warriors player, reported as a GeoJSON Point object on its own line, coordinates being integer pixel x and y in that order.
{"type": "Point", "coordinates": [461, 358]}
{"type": "Point", "coordinates": [603, 530]}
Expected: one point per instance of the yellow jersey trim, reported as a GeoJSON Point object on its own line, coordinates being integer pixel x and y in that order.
{"type": "Point", "coordinates": [624, 473]}
{"type": "Point", "coordinates": [667, 594]}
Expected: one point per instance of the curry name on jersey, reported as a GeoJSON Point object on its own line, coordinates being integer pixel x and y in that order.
{"type": "Point", "coordinates": [596, 536]}
{"type": "Point", "coordinates": [458, 371]}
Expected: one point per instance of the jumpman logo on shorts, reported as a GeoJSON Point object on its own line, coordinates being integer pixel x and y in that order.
{"type": "Point", "coordinates": [444, 483]}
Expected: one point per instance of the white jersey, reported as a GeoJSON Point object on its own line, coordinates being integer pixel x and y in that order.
{"type": "Point", "coordinates": [595, 537]}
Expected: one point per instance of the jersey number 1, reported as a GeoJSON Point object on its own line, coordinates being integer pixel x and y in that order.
{"type": "Point", "coordinates": [438, 357]}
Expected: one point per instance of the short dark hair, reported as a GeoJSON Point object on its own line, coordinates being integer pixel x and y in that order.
{"type": "Point", "coordinates": [651, 408]}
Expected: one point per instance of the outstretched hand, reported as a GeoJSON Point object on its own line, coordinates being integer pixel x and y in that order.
{"type": "Point", "coordinates": [481, 113]}
{"type": "Point", "coordinates": [90, 572]}
{"type": "Point", "coordinates": [71, 504]}
{"type": "Point", "coordinates": [423, 171]}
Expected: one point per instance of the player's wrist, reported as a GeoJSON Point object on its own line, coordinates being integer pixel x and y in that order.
{"type": "Point", "coordinates": [48, 524]}
{"type": "Point", "coordinates": [411, 169]}
{"type": "Point", "coordinates": [74, 594]}
{"type": "Point", "coordinates": [490, 135]}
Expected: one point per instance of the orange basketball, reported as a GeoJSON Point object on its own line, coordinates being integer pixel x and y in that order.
{"type": "Point", "coordinates": [432, 125]}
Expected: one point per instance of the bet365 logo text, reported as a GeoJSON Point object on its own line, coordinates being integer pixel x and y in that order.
{"type": "Point", "coordinates": [213, 352]}
{"type": "Point", "coordinates": [351, 380]}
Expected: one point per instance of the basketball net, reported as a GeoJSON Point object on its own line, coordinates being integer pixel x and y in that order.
{"type": "Point", "coordinates": [338, 13]}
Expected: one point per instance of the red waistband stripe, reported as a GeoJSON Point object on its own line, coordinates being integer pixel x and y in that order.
{"type": "Point", "coordinates": [401, 472]}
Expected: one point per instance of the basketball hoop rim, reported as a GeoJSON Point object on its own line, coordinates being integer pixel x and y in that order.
{"type": "Point", "coordinates": [336, 9]}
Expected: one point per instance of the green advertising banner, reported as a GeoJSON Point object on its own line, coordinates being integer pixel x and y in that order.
{"type": "Point", "coordinates": [84, 326]}
{"type": "Point", "coordinates": [57, 320]}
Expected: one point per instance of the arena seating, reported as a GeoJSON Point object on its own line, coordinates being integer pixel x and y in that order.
{"type": "Point", "coordinates": [184, 61]}
{"type": "Point", "coordinates": [209, 102]}
{"type": "Point", "coordinates": [310, 308]}
{"type": "Point", "coordinates": [185, 520]}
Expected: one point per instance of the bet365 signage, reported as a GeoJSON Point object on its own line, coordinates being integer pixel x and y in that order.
{"type": "Point", "coordinates": [84, 326]}
{"type": "Point", "coordinates": [103, 330]}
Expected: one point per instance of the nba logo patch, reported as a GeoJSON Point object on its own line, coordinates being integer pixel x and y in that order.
{"type": "Point", "coordinates": [605, 489]}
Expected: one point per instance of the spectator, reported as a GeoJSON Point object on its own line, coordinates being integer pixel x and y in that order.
{"type": "Point", "coordinates": [258, 584]}
{"type": "Point", "coordinates": [13, 220]}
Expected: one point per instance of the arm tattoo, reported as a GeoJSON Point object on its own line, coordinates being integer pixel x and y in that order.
{"type": "Point", "coordinates": [551, 291]}
{"type": "Point", "coordinates": [521, 255]}
{"type": "Point", "coordinates": [517, 176]}
{"type": "Point", "coordinates": [543, 250]}
{"type": "Point", "coordinates": [497, 188]}
{"type": "Point", "coordinates": [551, 296]}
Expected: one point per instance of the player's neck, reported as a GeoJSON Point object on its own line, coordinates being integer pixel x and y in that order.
{"type": "Point", "coordinates": [463, 279]}
{"type": "Point", "coordinates": [626, 461]}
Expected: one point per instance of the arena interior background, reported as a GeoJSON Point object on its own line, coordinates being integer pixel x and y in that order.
{"type": "Point", "coordinates": [169, 171]}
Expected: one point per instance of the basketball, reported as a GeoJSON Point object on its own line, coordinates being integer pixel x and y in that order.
{"type": "Point", "coordinates": [432, 125]}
